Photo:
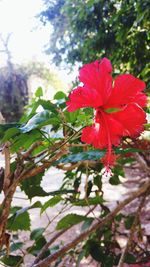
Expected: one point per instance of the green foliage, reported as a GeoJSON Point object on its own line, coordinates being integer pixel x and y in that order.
{"type": "Point", "coordinates": [70, 220]}
{"type": "Point", "coordinates": [16, 246]}
{"type": "Point", "coordinates": [90, 201]}
{"type": "Point", "coordinates": [36, 233]}
{"type": "Point", "coordinates": [129, 221]}
{"type": "Point", "coordinates": [39, 92]}
{"type": "Point", "coordinates": [39, 243]}
{"type": "Point", "coordinates": [49, 139]}
{"type": "Point", "coordinates": [19, 221]}
{"type": "Point", "coordinates": [39, 120]}
{"type": "Point", "coordinates": [89, 155]}
{"type": "Point", "coordinates": [117, 172]}
{"type": "Point", "coordinates": [32, 187]}
{"type": "Point", "coordinates": [99, 253]}
{"type": "Point", "coordinates": [12, 260]}
{"type": "Point", "coordinates": [130, 258]}
{"type": "Point", "coordinates": [59, 95]}
{"type": "Point", "coordinates": [51, 203]}
{"type": "Point", "coordinates": [85, 31]}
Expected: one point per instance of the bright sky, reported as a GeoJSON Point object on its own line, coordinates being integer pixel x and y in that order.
{"type": "Point", "coordinates": [28, 38]}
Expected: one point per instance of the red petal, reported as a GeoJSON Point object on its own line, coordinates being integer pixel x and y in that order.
{"type": "Point", "coordinates": [127, 89]}
{"type": "Point", "coordinates": [82, 97]}
{"type": "Point", "coordinates": [104, 133]}
{"type": "Point", "coordinates": [97, 75]}
{"type": "Point", "coordinates": [109, 128]}
{"type": "Point", "coordinates": [141, 99]}
{"type": "Point", "coordinates": [132, 118]}
{"type": "Point", "coordinates": [94, 135]}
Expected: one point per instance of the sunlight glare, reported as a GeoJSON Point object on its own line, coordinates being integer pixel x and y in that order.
{"type": "Point", "coordinates": [28, 38]}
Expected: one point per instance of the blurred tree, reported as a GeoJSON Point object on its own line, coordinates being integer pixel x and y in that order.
{"type": "Point", "coordinates": [90, 29]}
{"type": "Point", "coordinates": [14, 86]}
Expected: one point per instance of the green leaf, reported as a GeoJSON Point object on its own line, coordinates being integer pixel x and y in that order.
{"type": "Point", "coordinates": [48, 105]}
{"type": "Point", "coordinates": [37, 204]}
{"type": "Point", "coordinates": [59, 95]}
{"type": "Point", "coordinates": [70, 220]}
{"type": "Point", "coordinates": [25, 140]}
{"type": "Point", "coordinates": [112, 110]}
{"type": "Point", "coordinates": [87, 224]}
{"type": "Point", "coordinates": [10, 133]}
{"type": "Point", "coordinates": [96, 251]}
{"type": "Point", "coordinates": [18, 210]}
{"type": "Point", "coordinates": [16, 246]}
{"type": "Point", "coordinates": [130, 258]}
{"type": "Point", "coordinates": [12, 260]}
{"type": "Point", "coordinates": [54, 248]}
{"type": "Point", "coordinates": [71, 116]}
{"type": "Point", "coordinates": [40, 119]}
{"type": "Point", "coordinates": [98, 181]}
{"type": "Point", "coordinates": [90, 201]}
{"type": "Point", "coordinates": [5, 127]}
{"type": "Point", "coordinates": [99, 253]}
{"type": "Point", "coordinates": [126, 150]}
{"type": "Point", "coordinates": [36, 233]}
{"type": "Point", "coordinates": [32, 187]}
{"type": "Point", "coordinates": [39, 92]}
{"type": "Point", "coordinates": [51, 202]}
{"type": "Point", "coordinates": [129, 221]}
{"type": "Point", "coordinates": [114, 180]}
{"type": "Point", "coordinates": [147, 126]}
{"type": "Point", "coordinates": [34, 250]}
{"type": "Point", "coordinates": [80, 257]}
{"type": "Point", "coordinates": [88, 155]}
{"type": "Point", "coordinates": [19, 222]}
{"type": "Point", "coordinates": [119, 217]}
{"type": "Point", "coordinates": [89, 188]}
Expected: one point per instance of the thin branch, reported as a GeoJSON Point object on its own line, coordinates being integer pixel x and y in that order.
{"type": "Point", "coordinates": [77, 145]}
{"type": "Point", "coordinates": [6, 153]}
{"type": "Point", "coordinates": [142, 162]}
{"type": "Point", "coordinates": [30, 150]}
{"type": "Point", "coordinates": [61, 252]}
{"type": "Point", "coordinates": [91, 163]}
{"type": "Point", "coordinates": [68, 168]}
{"type": "Point", "coordinates": [34, 171]}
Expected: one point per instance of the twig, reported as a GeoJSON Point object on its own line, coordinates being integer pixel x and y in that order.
{"type": "Point", "coordinates": [91, 163]}
{"type": "Point", "coordinates": [68, 168]}
{"type": "Point", "coordinates": [34, 171]}
{"type": "Point", "coordinates": [77, 145]}
{"type": "Point", "coordinates": [6, 153]}
{"type": "Point", "coordinates": [94, 227]}
{"type": "Point", "coordinates": [142, 162]}
{"type": "Point", "coordinates": [30, 150]}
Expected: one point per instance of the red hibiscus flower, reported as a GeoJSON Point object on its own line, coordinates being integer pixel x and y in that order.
{"type": "Point", "coordinates": [118, 106]}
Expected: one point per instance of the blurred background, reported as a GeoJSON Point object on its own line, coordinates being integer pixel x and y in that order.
{"type": "Point", "coordinates": [44, 42]}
